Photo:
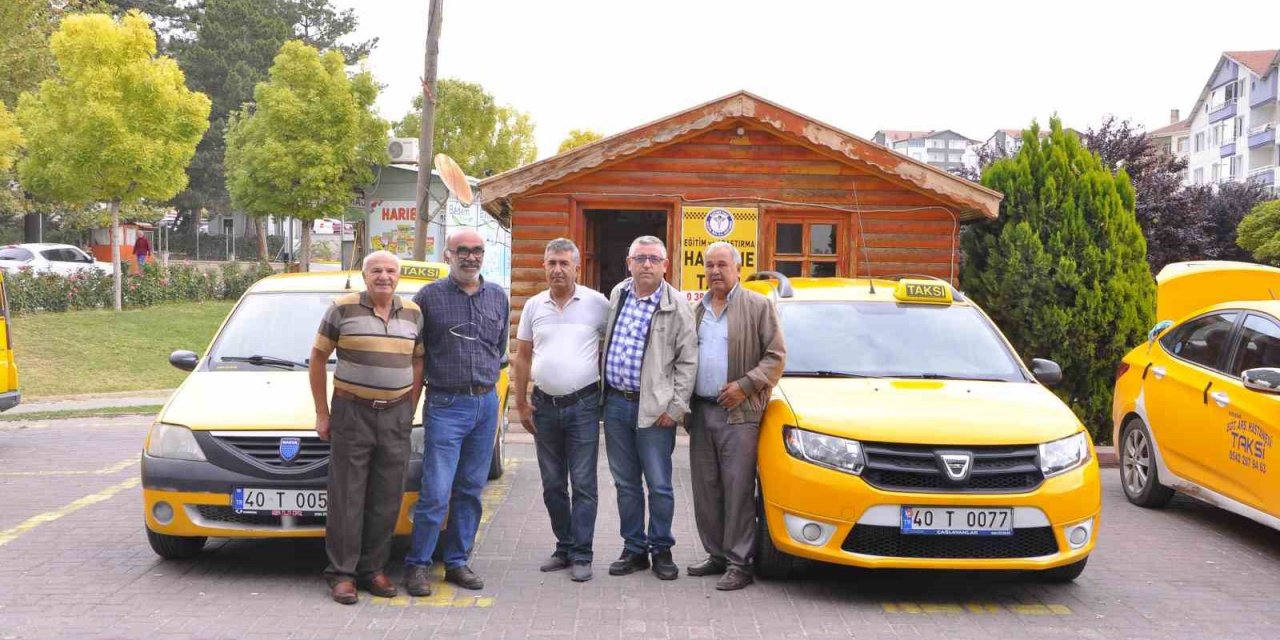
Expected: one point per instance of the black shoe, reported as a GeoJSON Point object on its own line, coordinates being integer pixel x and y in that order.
{"type": "Point", "coordinates": [629, 563]}
{"type": "Point", "coordinates": [416, 581]}
{"type": "Point", "coordinates": [712, 566]}
{"type": "Point", "coordinates": [581, 571]}
{"type": "Point", "coordinates": [555, 563]}
{"type": "Point", "coordinates": [664, 567]}
{"type": "Point", "coordinates": [733, 579]}
{"type": "Point", "coordinates": [464, 577]}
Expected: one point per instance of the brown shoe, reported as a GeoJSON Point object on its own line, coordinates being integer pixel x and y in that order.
{"type": "Point", "coordinates": [416, 581]}
{"type": "Point", "coordinates": [379, 585]}
{"type": "Point", "coordinates": [734, 578]}
{"type": "Point", "coordinates": [344, 592]}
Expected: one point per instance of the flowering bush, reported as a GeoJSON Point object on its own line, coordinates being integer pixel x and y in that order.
{"type": "Point", "coordinates": [30, 291]}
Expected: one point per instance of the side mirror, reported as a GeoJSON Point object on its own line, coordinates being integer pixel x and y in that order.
{"type": "Point", "coordinates": [1264, 379]}
{"type": "Point", "coordinates": [1156, 330]}
{"type": "Point", "coordinates": [185, 360]}
{"type": "Point", "coordinates": [1046, 372]}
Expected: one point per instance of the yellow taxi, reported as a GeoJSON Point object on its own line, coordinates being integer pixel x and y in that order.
{"type": "Point", "coordinates": [906, 433]}
{"type": "Point", "coordinates": [234, 453]}
{"type": "Point", "coordinates": [10, 395]}
{"type": "Point", "coordinates": [1197, 407]}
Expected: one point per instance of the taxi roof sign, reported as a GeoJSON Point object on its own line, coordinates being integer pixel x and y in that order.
{"type": "Point", "coordinates": [417, 270]}
{"type": "Point", "coordinates": [924, 291]}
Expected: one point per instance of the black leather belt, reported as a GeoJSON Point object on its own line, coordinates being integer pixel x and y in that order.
{"type": "Point", "coordinates": [373, 404]}
{"type": "Point", "coordinates": [473, 390]}
{"type": "Point", "coordinates": [633, 396]}
{"type": "Point", "coordinates": [698, 398]}
{"type": "Point", "coordinates": [566, 399]}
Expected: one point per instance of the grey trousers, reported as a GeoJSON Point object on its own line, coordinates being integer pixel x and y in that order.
{"type": "Point", "coordinates": [369, 453]}
{"type": "Point", "coordinates": [722, 460]}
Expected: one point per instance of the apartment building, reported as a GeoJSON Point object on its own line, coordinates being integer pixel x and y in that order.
{"type": "Point", "coordinates": [1232, 132]}
{"type": "Point", "coordinates": [943, 149]}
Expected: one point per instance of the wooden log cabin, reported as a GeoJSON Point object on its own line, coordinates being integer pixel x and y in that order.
{"type": "Point", "coordinates": [810, 199]}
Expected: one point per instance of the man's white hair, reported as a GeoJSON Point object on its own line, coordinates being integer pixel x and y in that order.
{"type": "Point", "coordinates": [649, 241]}
{"type": "Point", "coordinates": [733, 251]}
{"type": "Point", "coordinates": [378, 255]}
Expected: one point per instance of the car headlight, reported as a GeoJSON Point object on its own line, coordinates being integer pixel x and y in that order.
{"type": "Point", "coordinates": [1061, 456]}
{"type": "Point", "coordinates": [840, 454]}
{"type": "Point", "coordinates": [417, 447]}
{"type": "Point", "coordinates": [173, 441]}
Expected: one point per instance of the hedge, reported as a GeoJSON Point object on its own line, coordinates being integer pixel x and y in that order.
{"type": "Point", "coordinates": [91, 289]}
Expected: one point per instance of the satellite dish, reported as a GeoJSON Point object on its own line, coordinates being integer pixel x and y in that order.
{"type": "Point", "coordinates": [454, 179]}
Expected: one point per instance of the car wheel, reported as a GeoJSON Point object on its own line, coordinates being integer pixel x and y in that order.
{"type": "Point", "coordinates": [175, 547]}
{"type": "Point", "coordinates": [1065, 573]}
{"type": "Point", "coordinates": [499, 444]}
{"type": "Point", "coordinates": [770, 562]}
{"type": "Point", "coordinates": [1138, 474]}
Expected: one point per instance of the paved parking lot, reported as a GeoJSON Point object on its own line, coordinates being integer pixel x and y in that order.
{"type": "Point", "coordinates": [74, 562]}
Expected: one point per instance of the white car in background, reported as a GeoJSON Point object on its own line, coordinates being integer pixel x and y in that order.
{"type": "Point", "coordinates": [63, 259]}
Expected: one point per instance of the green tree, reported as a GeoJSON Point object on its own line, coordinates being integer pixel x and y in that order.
{"type": "Point", "coordinates": [1063, 270]}
{"type": "Point", "coordinates": [310, 138]}
{"type": "Point", "coordinates": [318, 24]}
{"type": "Point", "coordinates": [10, 139]}
{"type": "Point", "coordinates": [577, 138]}
{"type": "Point", "coordinates": [1259, 232]}
{"type": "Point", "coordinates": [482, 136]}
{"type": "Point", "coordinates": [25, 58]}
{"type": "Point", "coordinates": [116, 124]}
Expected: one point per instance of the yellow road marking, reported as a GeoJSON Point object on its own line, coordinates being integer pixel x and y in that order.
{"type": "Point", "coordinates": [31, 523]}
{"type": "Point", "coordinates": [978, 608]}
{"type": "Point", "coordinates": [105, 471]}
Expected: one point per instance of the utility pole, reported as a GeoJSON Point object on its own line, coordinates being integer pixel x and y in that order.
{"type": "Point", "coordinates": [428, 128]}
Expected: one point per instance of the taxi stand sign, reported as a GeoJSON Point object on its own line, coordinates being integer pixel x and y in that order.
{"type": "Point", "coordinates": [423, 270]}
{"type": "Point", "coordinates": [924, 291]}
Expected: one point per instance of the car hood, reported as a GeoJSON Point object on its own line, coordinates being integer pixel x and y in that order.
{"type": "Point", "coordinates": [243, 400]}
{"type": "Point", "coordinates": [929, 411]}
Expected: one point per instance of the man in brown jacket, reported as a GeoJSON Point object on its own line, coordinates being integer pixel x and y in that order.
{"type": "Point", "coordinates": [741, 355]}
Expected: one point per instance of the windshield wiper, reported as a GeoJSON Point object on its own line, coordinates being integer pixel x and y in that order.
{"type": "Point", "coordinates": [943, 376]}
{"type": "Point", "coordinates": [825, 374]}
{"type": "Point", "coordinates": [266, 361]}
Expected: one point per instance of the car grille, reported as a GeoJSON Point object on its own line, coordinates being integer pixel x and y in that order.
{"type": "Point", "coordinates": [227, 515]}
{"type": "Point", "coordinates": [901, 467]}
{"type": "Point", "coordinates": [266, 450]}
{"type": "Point", "coordinates": [890, 542]}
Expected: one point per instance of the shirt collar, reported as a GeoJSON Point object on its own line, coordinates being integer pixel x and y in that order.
{"type": "Point", "coordinates": [367, 301]}
{"type": "Point", "coordinates": [453, 284]}
{"type": "Point", "coordinates": [706, 300]}
{"type": "Point", "coordinates": [577, 293]}
{"type": "Point", "coordinates": [654, 297]}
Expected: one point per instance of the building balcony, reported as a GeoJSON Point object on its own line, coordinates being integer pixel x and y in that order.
{"type": "Point", "coordinates": [1218, 113]}
{"type": "Point", "coordinates": [1262, 135]}
{"type": "Point", "coordinates": [1227, 150]}
{"type": "Point", "coordinates": [1263, 175]}
{"type": "Point", "coordinates": [1263, 91]}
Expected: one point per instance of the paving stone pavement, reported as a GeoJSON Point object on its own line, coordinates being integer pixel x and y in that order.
{"type": "Point", "coordinates": [74, 562]}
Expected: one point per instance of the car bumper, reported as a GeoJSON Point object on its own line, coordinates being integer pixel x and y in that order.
{"type": "Point", "coordinates": [198, 495]}
{"type": "Point", "coordinates": [10, 400]}
{"type": "Point", "coordinates": [860, 523]}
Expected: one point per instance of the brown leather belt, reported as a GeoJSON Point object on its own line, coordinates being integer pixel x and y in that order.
{"type": "Point", "coordinates": [377, 405]}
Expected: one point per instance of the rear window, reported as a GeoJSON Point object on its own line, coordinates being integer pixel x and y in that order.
{"type": "Point", "coordinates": [15, 253]}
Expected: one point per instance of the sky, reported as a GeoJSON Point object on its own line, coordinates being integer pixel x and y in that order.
{"type": "Point", "coordinates": [972, 67]}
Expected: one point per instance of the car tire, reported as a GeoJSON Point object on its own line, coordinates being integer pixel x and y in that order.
{"type": "Point", "coordinates": [1064, 574]}
{"type": "Point", "coordinates": [499, 445]}
{"type": "Point", "coordinates": [175, 547]}
{"type": "Point", "coordinates": [770, 562]}
{"type": "Point", "coordinates": [1139, 477]}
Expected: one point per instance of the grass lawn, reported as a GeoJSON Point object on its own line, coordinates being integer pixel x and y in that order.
{"type": "Point", "coordinates": [102, 351]}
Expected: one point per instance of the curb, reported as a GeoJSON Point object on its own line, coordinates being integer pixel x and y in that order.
{"type": "Point", "coordinates": [1107, 457]}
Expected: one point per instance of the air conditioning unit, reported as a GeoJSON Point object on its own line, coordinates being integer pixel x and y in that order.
{"type": "Point", "coordinates": [403, 150]}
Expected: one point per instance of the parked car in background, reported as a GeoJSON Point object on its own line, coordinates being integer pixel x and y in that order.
{"type": "Point", "coordinates": [64, 259]}
{"type": "Point", "coordinates": [331, 226]}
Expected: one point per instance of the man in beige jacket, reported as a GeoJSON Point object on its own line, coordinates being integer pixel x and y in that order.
{"type": "Point", "coordinates": [650, 359]}
{"type": "Point", "coordinates": [741, 355]}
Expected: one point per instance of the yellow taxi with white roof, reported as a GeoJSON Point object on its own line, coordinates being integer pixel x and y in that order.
{"type": "Point", "coordinates": [234, 453]}
{"type": "Point", "coordinates": [907, 433]}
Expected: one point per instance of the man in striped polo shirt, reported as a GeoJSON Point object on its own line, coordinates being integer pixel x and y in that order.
{"type": "Point", "coordinates": [375, 388]}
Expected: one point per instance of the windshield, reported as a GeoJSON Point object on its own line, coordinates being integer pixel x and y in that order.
{"type": "Point", "coordinates": [278, 327]}
{"type": "Point", "coordinates": [894, 340]}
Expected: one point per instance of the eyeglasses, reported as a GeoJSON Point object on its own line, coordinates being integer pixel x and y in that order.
{"type": "Point", "coordinates": [469, 252]}
{"type": "Point", "coordinates": [641, 259]}
{"type": "Point", "coordinates": [464, 330]}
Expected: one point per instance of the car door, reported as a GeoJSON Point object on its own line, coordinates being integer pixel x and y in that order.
{"type": "Point", "coordinates": [1251, 418]}
{"type": "Point", "coordinates": [1187, 364]}
{"type": "Point", "coordinates": [9, 393]}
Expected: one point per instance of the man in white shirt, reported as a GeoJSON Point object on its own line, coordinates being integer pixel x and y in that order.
{"type": "Point", "coordinates": [557, 347]}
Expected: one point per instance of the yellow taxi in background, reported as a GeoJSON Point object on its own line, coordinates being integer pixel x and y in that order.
{"type": "Point", "coordinates": [1197, 408]}
{"type": "Point", "coordinates": [906, 433]}
{"type": "Point", "coordinates": [234, 453]}
{"type": "Point", "coordinates": [10, 395]}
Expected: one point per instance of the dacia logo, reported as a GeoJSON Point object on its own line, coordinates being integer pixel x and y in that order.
{"type": "Point", "coordinates": [957, 465]}
{"type": "Point", "coordinates": [925, 290]}
{"type": "Point", "coordinates": [289, 449]}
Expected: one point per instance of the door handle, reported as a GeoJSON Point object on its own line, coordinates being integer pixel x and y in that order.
{"type": "Point", "coordinates": [1158, 372]}
{"type": "Point", "coordinates": [1221, 398]}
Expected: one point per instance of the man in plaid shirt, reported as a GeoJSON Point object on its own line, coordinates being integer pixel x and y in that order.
{"type": "Point", "coordinates": [651, 359]}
